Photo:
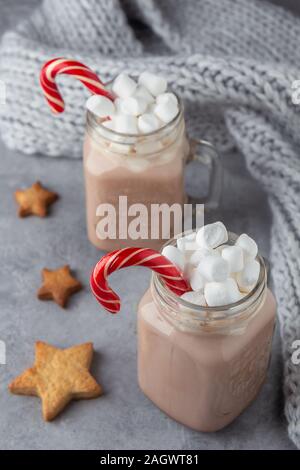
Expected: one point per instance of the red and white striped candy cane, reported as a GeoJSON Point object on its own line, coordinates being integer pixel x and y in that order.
{"type": "Point", "coordinates": [70, 67]}
{"type": "Point", "coordinates": [126, 257]}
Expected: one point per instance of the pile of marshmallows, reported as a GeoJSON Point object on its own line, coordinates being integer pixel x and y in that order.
{"type": "Point", "coordinates": [219, 274]}
{"type": "Point", "coordinates": [139, 108]}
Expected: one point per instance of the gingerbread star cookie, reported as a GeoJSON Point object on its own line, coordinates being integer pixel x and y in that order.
{"type": "Point", "coordinates": [57, 377]}
{"type": "Point", "coordinates": [34, 200]}
{"type": "Point", "coordinates": [58, 285]}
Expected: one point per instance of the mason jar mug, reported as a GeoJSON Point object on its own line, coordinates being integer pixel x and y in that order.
{"type": "Point", "coordinates": [126, 172]}
{"type": "Point", "coordinates": [203, 366]}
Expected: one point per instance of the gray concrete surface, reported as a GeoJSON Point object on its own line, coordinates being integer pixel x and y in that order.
{"type": "Point", "coordinates": [123, 418]}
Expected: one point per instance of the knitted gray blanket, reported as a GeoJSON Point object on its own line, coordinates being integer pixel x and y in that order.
{"type": "Point", "coordinates": [233, 62]}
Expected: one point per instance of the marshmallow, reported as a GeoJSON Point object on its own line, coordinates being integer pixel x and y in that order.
{"type": "Point", "coordinates": [219, 274]}
{"type": "Point", "coordinates": [94, 164]}
{"type": "Point", "coordinates": [133, 106]}
{"type": "Point", "coordinates": [214, 268]}
{"type": "Point", "coordinates": [125, 124]}
{"type": "Point", "coordinates": [187, 242]}
{"type": "Point", "coordinates": [197, 281]}
{"type": "Point", "coordinates": [149, 148]}
{"type": "Point", "coordinates": [142, 92]}
{"type": "Point", "coordinates": [167, 99]}
{"type": "Point", "coordinates": [234, 255]}
{"type": "Point", "coordinates": [248, 278]}
{"type": "Point", "coordinates": [216, 294]}
{"type": "Point", "coordinates": [156, 85]}
{"type": "Point", "coordinates": [118, 104]}
{"type": "Point", "coordinates": [151, 107]}
{"type": "Point", "coordinates": [174, 255]}
{"type": "Point", "coordinates": [233, 291]}
{"type": "Point", "coordinates": [248, 245]}
{"type": "Point", "coordinates": [136, 165]}
{"type": "Point", "coordinates": [201, 253]}
{"type": "Point", "coordinates": [109, 124]}
{"type": "Point", "coordinates": [100, 106]}
{"type": "Point", "coordinates": [148, 123]}
{"type": "Point", "coordinates": [212, 235]}
{"type": "Point", "coordinates": [123, 86]}
{"type": "Point", "coordinates": [166, 112]}
{"type": "Point", "coordinates": [120, 148]}
{"type": "Point", "coordinates": [220, 248]}
{"type": "Point", "coordinates": [196, 298]}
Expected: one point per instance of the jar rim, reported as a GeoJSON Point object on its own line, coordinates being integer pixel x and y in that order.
{"type": "Point", "coordinates": [214, 313]}
{"type": "Point", "coordinates": [115, 136]}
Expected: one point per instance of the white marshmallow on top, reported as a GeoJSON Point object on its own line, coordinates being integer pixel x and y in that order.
{"type": "Point", "coordinates": [148, 122]}
{"type": "Point", "coordinates": [233, 291]}
{"type": "Point", "coordinates": [174, 255]}
{"type": "Point", "coordinates": [151, 107]}
{"type": "Point", "coordinates": [167, 99]}
{"type": "Point", "coordinates": [193, 297]}
{"type": "Point", "coordinates": [153, 83]}
{"type": "Point", "coordinates": [220, 248]}
{"type": "Point", "coordinates": [142, 92]}
{"type": "Point", "coordinates": [248, 245]}
{"type": "Point", "coordinates": [214, 268]}
{"type": "Point", "coordinates": [125, 124]}
{"type": "Point", "coordinates": [216, 294]}
{"type": "Point", "coordinates": [212, 235]}
{"type": "Point", "coordinates": [234, 255]}
{"type": "Point", "coordinates": [201, 253]}
{"type": "Point", "coordinates": [209, 262]}
{"type": "Point", "coordinates": [248, 278]}
{"type": "Point", "coordinates": [109, 124]}
{"type": "Point", "coordinates": [123, 86]}
{"type": "Point", "coordinates": [118, 104]}
{"type": "Point", "coordinates": [133, 106]}
{"type": "Point", "coordinates": [166, 112]}
{"type": "Point", "coordinates": [100, 106]}
{"type": "Point", "coordinates": [187, 243]}
{"type": "Point", "coordinates": [197, 281]}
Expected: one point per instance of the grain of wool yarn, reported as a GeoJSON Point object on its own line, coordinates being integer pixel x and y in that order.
{"type": "Point", "coordinates": [232, 61]}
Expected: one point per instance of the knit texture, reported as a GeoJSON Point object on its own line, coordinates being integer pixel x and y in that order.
{"type": "Point", "coordinates": [232, 61]}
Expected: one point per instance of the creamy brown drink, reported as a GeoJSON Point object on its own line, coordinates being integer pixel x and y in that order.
{"type": "Point", "coordinates": [203, 378]}
{"type": "Point", "coordinates": [204, 365]}
{"type": "Point", "coordinates": [146, 169]}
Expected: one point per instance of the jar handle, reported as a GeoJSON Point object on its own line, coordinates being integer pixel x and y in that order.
{"type": "Point", "coordinates": [206, 153]}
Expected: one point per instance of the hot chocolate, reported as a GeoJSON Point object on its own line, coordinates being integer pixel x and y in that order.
{"type": "Point", "coordinates": [146, 170]}
{"type": "Point", "coordinates": [136, 147]}
{"type": "Point", "coordinates": [204, 365]}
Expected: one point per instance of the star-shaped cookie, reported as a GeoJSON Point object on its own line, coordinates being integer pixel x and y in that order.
{"type": "Point", "coordinates": [58, 285]}
{"type": "Point", "coordinates": [34, 200]}
{"type": "Point", "coordinates": [57, 377]}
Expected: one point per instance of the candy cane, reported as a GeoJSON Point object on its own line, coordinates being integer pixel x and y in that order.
{"type": "Point", "coordinates": [70, 67]}
{"type": "Point", "coordinates": [124, 258]}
